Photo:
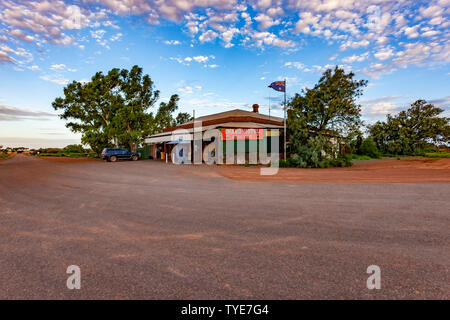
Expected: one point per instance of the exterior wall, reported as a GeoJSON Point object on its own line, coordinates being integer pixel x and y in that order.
{"type": "Point", "coordinates": [250, 148]}
{"type": "Point", "coordinates": [230, 151]}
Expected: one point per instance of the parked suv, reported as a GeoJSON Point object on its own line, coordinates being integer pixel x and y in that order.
{"type": "Point", "coordinates": [114, 154]}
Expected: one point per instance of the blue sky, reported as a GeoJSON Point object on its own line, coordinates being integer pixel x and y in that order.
{"type": "Point", "coordinates": [217, 55]}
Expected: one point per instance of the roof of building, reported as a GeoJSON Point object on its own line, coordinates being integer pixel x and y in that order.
{"type": "Point", "coordinates": [236, 115]}
{"type": "Point", "coordinates": [228, 119]}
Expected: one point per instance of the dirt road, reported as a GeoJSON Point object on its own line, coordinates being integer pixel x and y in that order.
{"type": "Point", "coordinates": [149, 230]}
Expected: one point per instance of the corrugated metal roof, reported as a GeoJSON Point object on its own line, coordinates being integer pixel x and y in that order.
{"type": "Point", "coordinates": [236, 113]}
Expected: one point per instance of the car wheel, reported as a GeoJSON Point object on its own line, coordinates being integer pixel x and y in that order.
{"type": "Point", "coordinates": [134, 158]}
{"type": "Point", "coordinates": [113, 158]}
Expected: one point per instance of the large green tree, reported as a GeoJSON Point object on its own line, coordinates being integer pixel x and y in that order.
{"type": "Point", "coordinates": [319, 117]}
{"type": "Point", "coordinates": [132, 121]}
{"type": "Point", "coordinates": [412, 131]}
{"type": "Point", "coordinates": [113, 108]}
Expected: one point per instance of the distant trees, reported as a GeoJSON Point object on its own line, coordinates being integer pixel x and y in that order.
{"type": "Point", "coordinates": [411, 131]}
{"type": "Point", "coordinates": [183, 117]}
{"type": "Point", "coordinates": [113, 109]}
{"type": "Point", "coordinates": [318, 116]}
{"type": "Point", "coordinates": [164, 116]}
{"type": "Point", "coordinates": [74, 148]}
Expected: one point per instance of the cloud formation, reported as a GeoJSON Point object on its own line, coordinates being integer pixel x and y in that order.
{"type": "Point", "coordinates": [385, 34]}
{"type": "Point", "coordinates": [8, 113]}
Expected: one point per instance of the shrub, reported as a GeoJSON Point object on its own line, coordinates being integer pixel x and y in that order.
{"type": "Point", "coordinates": [369, 148]}
{"type": "Point", "coordinates": [285, 163]}
{"type": "Point", "coordinates": [74, 148]}
{"type": "Point", "coordinates": [49, 150]}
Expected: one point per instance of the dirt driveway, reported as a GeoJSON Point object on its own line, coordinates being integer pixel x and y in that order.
{"type": "Point", "coordinates": [149, 230]}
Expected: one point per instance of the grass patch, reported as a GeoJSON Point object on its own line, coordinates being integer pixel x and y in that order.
{"type": "Point", "coordinates": [432, 155]}
{"type": "Point", "coordinates": [437, 155]}
{"type": "Point", "coordinates": [360, 157]}
{"type": "Point", "coordinates": [65, 154]}
{"type": "Point", "coordinates": [4, 155]}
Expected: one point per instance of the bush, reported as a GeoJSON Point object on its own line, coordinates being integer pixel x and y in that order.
{"type": "Point", "coordinates": [3, 155]}
{"type": "Point", "coordinates": [50, 150]}
{"type": "Point", "coordinates": [74, 148]}
{"type": "Point", "coordinates": [285, 163]}
{"type": "Point", "coordinates": [369, 148]}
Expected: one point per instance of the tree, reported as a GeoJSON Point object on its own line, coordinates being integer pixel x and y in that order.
{"type": "Point", "coordinates": [97, 140]}
{"type": "Point", "coordinates": [164, 118]}
{"type": "Point", "coordinates": [412, 131]}
{"type": "Point", "coordinates": [369, 148]}
{"type": "Point", "coordinates": [110, 109]}
{"type": "Point", "coordinates": [183, 117]}
{"type": "Point", "coordinates": [131, 122]}
{"type": "Point", "coordinates": [320, 116]}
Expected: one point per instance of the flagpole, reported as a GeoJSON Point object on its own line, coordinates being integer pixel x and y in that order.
{"type": "Point", "coordinates": [269, 105]}
{"type": "Point", "coordinates": [284, 119]}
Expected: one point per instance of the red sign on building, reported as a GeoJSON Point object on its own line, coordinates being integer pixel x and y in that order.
{"type": "Point", "coordinates": [242, 134]}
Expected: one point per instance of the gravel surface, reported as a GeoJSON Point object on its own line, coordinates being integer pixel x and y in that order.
{"type": "Point", "coordinates": [147, 230]}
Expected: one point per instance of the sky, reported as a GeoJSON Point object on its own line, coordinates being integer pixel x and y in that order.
{"type": "Point", "coordinates": [218, 55]}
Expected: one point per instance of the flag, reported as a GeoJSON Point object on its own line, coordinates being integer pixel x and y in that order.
{"type": "Point", "coordinates": [278, 86]}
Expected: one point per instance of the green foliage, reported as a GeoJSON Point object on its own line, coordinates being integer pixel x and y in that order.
{"type": "Point", "coordinates": [355, 143]}
{"type": "Point", "coordinates": [354, 156]}
{"type": "Point", "coordinates": [131, 121]}
{"type": "Point", "coordinates": [74, 148]}
{"type": "Point", "coordinates": [285, 163]}
{"type": "Point", "coordinates": [437, 155]}
{"type": "Point", "coordinates": [50, 150]}
{"type": "Point", "coordinates": [369, 148]}
{"type": "Point", "coordinates": [4, 155]}
{"type": "Point", "coordinates": [413, 131]}
{"type": "Point", "coordinates": [164, 118]}
{"type": "Point", "coordinates": [112, 108]}
{"type": "Point", "coordinates": [183, 117]}
{"type": "Point", "coordinates": [319, 118]}
{"type": "Point", "coordinates": [97, 140]}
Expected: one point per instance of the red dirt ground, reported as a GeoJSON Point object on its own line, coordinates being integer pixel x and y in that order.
{"type": "Point", "coordinates": [148, 230]}
{"type": "Point", "coordinates": [374, 171]}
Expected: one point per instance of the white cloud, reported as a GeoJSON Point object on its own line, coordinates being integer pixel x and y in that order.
{"type": "Point", "coordinates": [208, 36]}
{"type": "Point", "coordinates": [200, 59]}
{"type": "Point", "coordinates": [384, 53]}
{"type": "Point", "coordinates": [172, 42]}
{"type": "Point", "coordinates": [189, 89]}
{"type": "Point", "coordinates": [266, 21]}
{"type": "Point", "coordinates": [55, 79]}
{"type": "Point", "coordinates": [411, 32]}
{"type": "Point", "coordinates": [295, 64]}
{"type": "Point", "coordinates": [380, 106]}
{"type": "Point", "coordinates": [356, 58]}
{"type": "Point", "coordinates": [34, 68]}
{"type": "Point", "coordinates": [58, 66]}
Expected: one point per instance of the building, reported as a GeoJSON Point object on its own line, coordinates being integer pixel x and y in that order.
{"type": "Point", "coordinates": [231, 137]}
